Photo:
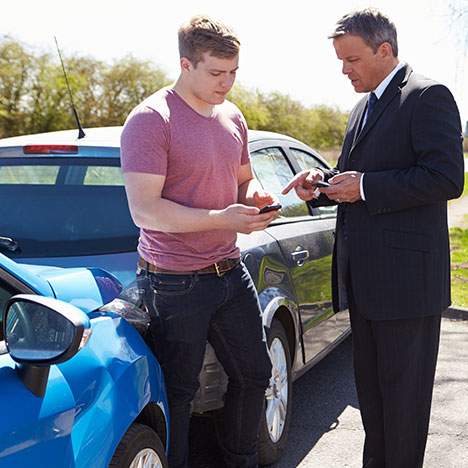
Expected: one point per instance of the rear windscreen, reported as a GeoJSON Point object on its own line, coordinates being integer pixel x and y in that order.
{"type": "Point", "coordinates": [54, 207]}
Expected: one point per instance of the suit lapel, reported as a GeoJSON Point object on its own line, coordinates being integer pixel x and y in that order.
{"type": "Point", "coordinates": [393, 89]}
{"type": "Point", "coordinates": [352, 132]}
{"type": "Point", "coordinates": [362, 105]}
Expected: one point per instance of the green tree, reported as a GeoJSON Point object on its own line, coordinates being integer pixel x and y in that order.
{"type": "Point", "coordinates": [15, 66]}
{"type": "Point", "coordinates": [34, 97]}
{"type": "Point", "coordinates": [329, 127]}
{"type": "Point", "coordinates": [321, 127]}
{"type": "Point", "coordinates": [48, 102]}
{"type": "Point", "coordinates": [125, 84]}
{"type": "Point", "coordinates": [86, 82]}
{"type": "Point", "coordinates": [249, 102]}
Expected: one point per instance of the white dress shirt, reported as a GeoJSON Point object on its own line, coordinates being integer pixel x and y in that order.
{"type": "Point", "coordinates": [378, 93]}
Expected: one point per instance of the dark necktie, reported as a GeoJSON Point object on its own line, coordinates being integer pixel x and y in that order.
{"type": "Point", "coordinates": [371, 104]}
{"type": "Point", "coordinates": [371, 101]}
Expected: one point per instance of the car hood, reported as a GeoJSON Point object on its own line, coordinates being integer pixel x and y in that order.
{"type": "Point", "coordinates": [86, 288]}
{"type": "Point", "coordinates": [120, 265]}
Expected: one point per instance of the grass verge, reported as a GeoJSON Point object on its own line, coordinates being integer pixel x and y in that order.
{"type": "Point", "coordinates": [459, 257]}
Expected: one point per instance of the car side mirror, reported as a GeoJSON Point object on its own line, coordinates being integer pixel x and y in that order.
{"type": "Point", "coordinates": [41, 331]}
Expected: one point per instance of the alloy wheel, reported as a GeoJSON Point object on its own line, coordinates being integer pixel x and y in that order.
{"type": "Point", "coordinates": [277, 392]}
{"type": "Point", "coordinates": [146, 458]}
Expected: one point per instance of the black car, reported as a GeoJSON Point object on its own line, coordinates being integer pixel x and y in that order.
{"type": "Point", "coordinates": [64, 204]}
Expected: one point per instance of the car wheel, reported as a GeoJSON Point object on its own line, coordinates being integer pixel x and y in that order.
{"type": "Point", "coordinates": [140, 447]}
{"type": "Point", "coordinates": [274, 427]}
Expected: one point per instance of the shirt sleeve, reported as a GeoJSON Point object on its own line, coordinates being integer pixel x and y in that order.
{"type": "Point", "coordinates": [144, 143]}
{"type": "Point", "coordinates": [361, 187]}
{"type": "Point", "coordinates": [245, 156]}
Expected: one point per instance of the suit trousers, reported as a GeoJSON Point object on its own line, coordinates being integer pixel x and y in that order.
{"type": "Point", "coordinates": [394, 366]}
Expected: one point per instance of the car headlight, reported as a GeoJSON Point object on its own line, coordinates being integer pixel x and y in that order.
{"type": "Point", "coordinates": [130, 306]}
{"type": "Point", "coordinates": [85, 338]}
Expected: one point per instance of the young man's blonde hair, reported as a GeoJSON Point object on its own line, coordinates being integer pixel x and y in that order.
{"type": "Point", "coordinates": [203, 34]}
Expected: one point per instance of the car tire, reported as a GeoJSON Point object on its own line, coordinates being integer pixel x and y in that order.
{"type": "Point", "coordinates": [139, 447]}
{"type": "Point", "coordinates": [274, 427]}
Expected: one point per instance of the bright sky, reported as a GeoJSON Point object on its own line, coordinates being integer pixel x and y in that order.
{"type": "Point", "coordinates": [284, 43]}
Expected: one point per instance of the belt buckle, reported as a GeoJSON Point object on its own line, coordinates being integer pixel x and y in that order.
{"type": "Point", "coordinates": [219, 272]}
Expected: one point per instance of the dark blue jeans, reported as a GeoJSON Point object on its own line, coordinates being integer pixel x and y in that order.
{"type": "Point", "coordinates": [188, 310]}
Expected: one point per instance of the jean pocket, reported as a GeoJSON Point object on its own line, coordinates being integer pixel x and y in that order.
{"type": "Point", "coordinates": [172, 285]}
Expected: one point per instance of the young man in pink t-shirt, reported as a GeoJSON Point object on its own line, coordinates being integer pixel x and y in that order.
{"type": "Point", "coordinates": [190, 189]}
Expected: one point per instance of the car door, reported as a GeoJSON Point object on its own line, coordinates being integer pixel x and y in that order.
{"type": "Point", "coordinates": [305, 247]}
{"type": "Point", "coordinates": [301, 158]}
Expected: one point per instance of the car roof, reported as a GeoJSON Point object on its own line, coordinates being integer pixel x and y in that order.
{"type": "Point", "coordinates": [100, 136]}
{"type": "Point", "coordinates": [105, 136]}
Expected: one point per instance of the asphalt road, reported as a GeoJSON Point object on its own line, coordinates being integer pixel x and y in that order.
{"type": "Point", "coordinates": [326, 430]}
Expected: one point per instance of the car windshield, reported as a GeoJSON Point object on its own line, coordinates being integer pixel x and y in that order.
{"type": "Point", "coordinates": [53, 207]}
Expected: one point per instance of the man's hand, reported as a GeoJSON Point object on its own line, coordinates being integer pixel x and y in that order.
{"type": "Point", "coordinates": [251, 192]}
{"type": "Point", "coordinates": [260, 198]}
{"type": "Point", "coordinates": [304, 184]}
{"type": "Point", "coordinates": [245, 219]}
{"type": "Point", "coordinates": [344, 187]}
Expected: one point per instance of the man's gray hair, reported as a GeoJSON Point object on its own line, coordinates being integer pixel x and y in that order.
{"type": "Point", "coordinates": [369, 24]}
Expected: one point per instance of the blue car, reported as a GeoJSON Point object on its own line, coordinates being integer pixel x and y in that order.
{"type": "Point", "coordinates": [79, 387]}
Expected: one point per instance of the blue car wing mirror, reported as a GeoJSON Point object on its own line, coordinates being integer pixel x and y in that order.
{"type": "Point", "coordinates": [41, 331]}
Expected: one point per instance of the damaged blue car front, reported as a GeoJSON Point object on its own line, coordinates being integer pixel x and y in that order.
{"type": "Point", "coordinates": [78, 384]}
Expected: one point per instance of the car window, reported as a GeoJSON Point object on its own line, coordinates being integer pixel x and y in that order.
{"type": "Point", "coordinates": [274, 172]}
{"type": "Point", "coordinates": [307, 160]}
{"type": "Point", "coordinates": [28, 174]}
{"type": "Point", "coordinates": [64, 206]}
{"type": "Point", "coordinates": [43, 175]}
{"type": "Point", "coordinates": [103, 175]}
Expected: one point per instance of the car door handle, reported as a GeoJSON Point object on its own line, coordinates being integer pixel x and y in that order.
{"type": "Point", "coordinates": [300, 256]}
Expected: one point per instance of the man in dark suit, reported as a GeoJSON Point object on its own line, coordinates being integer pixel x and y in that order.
{"type": "Point", "coordinates": [401, 161]}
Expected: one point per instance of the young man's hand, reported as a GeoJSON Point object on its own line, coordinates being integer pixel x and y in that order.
{"type": "Point", "coordinates": [245, 219]}
{"type": "Point", "coordinates": [261, 198]}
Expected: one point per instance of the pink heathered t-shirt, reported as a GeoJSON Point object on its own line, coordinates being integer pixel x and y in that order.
{"type": "Point", "coordinates": [200, 158]}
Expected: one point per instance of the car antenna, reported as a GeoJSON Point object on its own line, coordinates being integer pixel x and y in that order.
{"type": "Point", "coordinates": [81, 133]}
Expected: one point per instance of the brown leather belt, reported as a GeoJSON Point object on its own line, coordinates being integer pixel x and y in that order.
{"type": "Point", "coordinates": [218, 268]}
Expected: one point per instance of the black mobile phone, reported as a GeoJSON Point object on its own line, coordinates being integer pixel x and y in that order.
{"type": "Point", "coordinates": [268, 208]}
{"type": "Point", "coordinates": [322, 183]}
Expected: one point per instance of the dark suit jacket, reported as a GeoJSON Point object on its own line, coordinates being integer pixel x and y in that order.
{"type": "Point", "coordinates": [410, 150]}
